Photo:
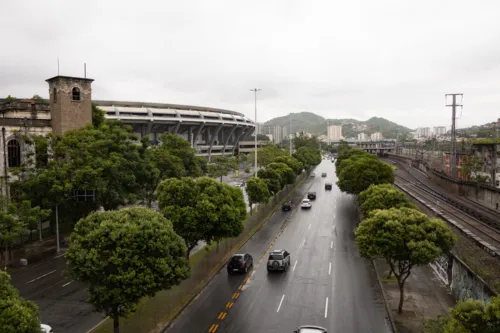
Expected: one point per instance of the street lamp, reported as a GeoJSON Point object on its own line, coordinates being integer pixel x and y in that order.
{"type": "Point", "coordinates": [255, 93]}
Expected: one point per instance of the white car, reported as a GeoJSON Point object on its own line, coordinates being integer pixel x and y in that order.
{"type": "Point", "coordinates": [45, 329]}
{"type": "Point", "coordinates": [306, 203]}
{"type": "Point", "coordinates": [312, 175]}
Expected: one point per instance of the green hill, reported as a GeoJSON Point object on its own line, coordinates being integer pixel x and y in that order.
{"type": "Point", "coordinates": [312, 123]}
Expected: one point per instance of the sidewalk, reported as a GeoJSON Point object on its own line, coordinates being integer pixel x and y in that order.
{"type": "Point", "coordinates": [425, 297]}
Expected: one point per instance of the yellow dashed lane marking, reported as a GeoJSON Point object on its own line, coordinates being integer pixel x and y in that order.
{"type": "Point", "coordinates": [213, 328]}
{"type": "Point", "coordinates": [241, 287]}
{"type": "Point", "coordinates": [236, 295]}
{"type": "Point", "coordinates": [246, 279]}
{"type": "Point", "coordinates": [222, 315]}
{"type": "Point", "coordinates": [229, 305]}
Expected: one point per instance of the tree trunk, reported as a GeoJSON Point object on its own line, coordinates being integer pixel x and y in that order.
{"type": "Point", "coordinates": [116, 324]}
{"type": "Point", "coordinates": [401, 296]}
{"type": "Point", "coordinates": [390, 274]}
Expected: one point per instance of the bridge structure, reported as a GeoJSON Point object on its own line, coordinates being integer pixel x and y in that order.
{"type": "Point", "coordinates": [379, 147]}
{"type": "Point", "coordinates": [210, 131]}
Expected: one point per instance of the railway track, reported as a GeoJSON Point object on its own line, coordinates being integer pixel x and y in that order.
{"type": "Point", "coordinates": [487, 235]}
{"type": "Point", "coordinates": [480, 212]}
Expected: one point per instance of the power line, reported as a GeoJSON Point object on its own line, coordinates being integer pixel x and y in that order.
{"type": "Point", "coordinates": [454, 132]}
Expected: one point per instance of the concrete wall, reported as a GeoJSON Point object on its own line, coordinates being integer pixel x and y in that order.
{"type": "Point", "coordinates": [461, 280]}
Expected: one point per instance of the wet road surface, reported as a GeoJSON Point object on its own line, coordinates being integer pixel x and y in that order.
{"type": "Point", "coordinates": [328, 283]}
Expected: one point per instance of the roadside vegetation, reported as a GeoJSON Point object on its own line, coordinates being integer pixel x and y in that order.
{"type": "Point", "coordinates": [126, 255]}
{"type": "Point", "coordinates": [394, 230]}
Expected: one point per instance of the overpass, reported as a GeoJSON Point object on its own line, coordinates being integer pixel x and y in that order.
{"type": "Point", "coordinates": [210, 131]}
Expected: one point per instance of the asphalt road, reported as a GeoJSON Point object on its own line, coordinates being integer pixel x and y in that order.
{"type": "Point", "coordinates": [328, 283]}
{"type": "Point", "coordinates": [61, 301]}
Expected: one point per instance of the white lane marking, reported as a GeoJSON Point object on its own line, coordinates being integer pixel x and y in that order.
{"type": "Point", "coordinates": [100, 323]}
{"type": "Point", "coordinates": [302, 244]}
{"type": "Point", "coordinates": [333, 215]}
{"type": "Point", "coordinates": [309, 227]}
{"type": "Point", "coordinates": [42, 276]}
{"type": "Point", "coordinates": [326, 307]}
{"type": "Point", "coordinates": [64, 285]}
{"type": "Point", "coordinates": [59, 256]}
{"type": "Point", "coordinates": [279, 306]}
{"type": "Point", "coordinates": [330, 269]}
{"type": "Point", "coordinates": [295, 265]}
{"type": "Point", "coordinates": [331, 245]}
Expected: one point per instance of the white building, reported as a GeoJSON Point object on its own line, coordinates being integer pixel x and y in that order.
{"type": "Point", "coordinates": [334, 132]}
{"type": "Point", "coordinates": [424, 132]}
{"type": "Point", "coordinates": [284, 132]}
{"type": "Point", "coordinates": [362, 137]}
{"type": "Point", "coordinates": [439, 130]}
{"type": "Point", "coordinates": [376, 136]}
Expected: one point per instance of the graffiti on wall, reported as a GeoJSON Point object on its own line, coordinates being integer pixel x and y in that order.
{"type": "Point", "coordinates": [440, 267]}
{"type": "Point", "coordinates": [466, 284]}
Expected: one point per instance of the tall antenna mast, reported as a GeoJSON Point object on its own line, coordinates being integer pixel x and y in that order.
{"type": "Point", "coordinates": [85, 70]}
{"type": "Point", "coordinates": [57, 65]}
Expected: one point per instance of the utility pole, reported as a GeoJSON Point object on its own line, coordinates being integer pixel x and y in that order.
{"type": "Point", "coordinates": [290, 132]}
{"type": "Point", "coordinates": [255, 90]}
{"type": "Point", "coordinates": [454, 132]}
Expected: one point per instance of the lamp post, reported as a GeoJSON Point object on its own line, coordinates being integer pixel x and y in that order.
{"type": "Point", "coordinates": [255, 90]}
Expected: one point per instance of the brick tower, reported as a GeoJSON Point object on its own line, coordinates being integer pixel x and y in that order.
{"type": "Point", "coordinates": [70, 103]}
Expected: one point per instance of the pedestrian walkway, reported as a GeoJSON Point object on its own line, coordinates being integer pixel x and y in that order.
{"type": "Point", "coordinates": [425, 297]}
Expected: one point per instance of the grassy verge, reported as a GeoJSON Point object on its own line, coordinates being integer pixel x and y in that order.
{"type": "Point", "coordinates": [155, 313]}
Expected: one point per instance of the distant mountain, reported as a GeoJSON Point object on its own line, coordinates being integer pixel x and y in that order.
{"type": "Point", "coordinates": [478, 131]}
{"type": "Point", "coordinates": [312, 123]}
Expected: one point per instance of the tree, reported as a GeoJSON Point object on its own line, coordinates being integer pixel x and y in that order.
{"type": "Point", "coordinates": [32, 217]}
{"type": "Point", "coordinates": [10, 98]}
{"type": "Point", "coordinates": [38, 99]}
{"type": "Point", "coordinates": [302, 140]}
{"type": "Point", "coordinates": [10, 229]}
{"type": "Point", "coordinates": [202, 209]}
{"type": "Point", "coordinates": [345, 152]}
{"type": "Point", "coordinates": [98, 116]}
{"type": "Point", "coordinates": [471, 166]}
{"type": "Point", "coordinates": [359, 175]}
{"type": "Point", "coordinates": [474, 316]}
{"type": "Point", "coordinates": [16, 314]}
{"type": "Point", "coordinates": [308, 156]}
{"type": "Point", "coordinates": [267, 154]}
{"type": "Point", "coordinates": [221, 166]}
{"type": "Point", "coordinates": [383, 196]}
{"type": "Point", "coordinates": [292, 163]}
{"type": "Point", "coordinates": [171, 144]}
{"type": "Point", "coordinates": [352, 159]}
{"type": "Point", "coordinates": [404, 238]}
{"type": "Point", "coordinates": [257, 191]}
{"type": "Point", "coordinates": [287, 175]}
{"type": "Point", "coordinates": [272, 179]}
{"type": "Point", "coordinates": [124, 256]}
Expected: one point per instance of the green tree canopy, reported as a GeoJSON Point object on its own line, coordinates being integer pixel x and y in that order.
{"type": "Point", "coordinates": [308, 156]}
{"type": "Point", "coordinates": [16, 314]}
{"type": "Point", "coordinates": [404, 238]}
{"type": "Point", "coordinates": [202, 209]}
{"type": "Point", "coordinates": [287, 175]}
{"type": "Point", "coordinates": [272, 178]}
{"type": "Point", "coordinates": [359, 175]}
{"type": "Point", "coordinates": [302, 140]}
{"type": "Point", "coordinates": [124, 256]}
{"type": "Point", "coordinates": [352, 159]}
{"type": "Point", "coordinates": [221, 166]}
{"type": "Point", "coordinates": [383, 196]}
{"type": "Point", "coordinates": [173, 145]}
{"type": "Point", "coordinates": [267, 154]}
{"type": "Point", "coordinates": [345, 152]}
{"type": "Point", "coordinates": [257, 191]}
{"type": "Point", "coordinates": [292, 163]}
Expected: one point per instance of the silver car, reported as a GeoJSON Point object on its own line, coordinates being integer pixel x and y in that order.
{"type": "Point", "coordinates": [311, 329]}
{"type": "Point", "coordinates": [279, 260]}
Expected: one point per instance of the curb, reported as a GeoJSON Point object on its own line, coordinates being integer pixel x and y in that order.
{"type": "Point", "coordinates": [386, 303]}
{"type": "Point", "coordinates": [218, 267]}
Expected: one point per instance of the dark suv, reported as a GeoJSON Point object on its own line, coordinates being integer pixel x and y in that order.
{"type": "Point", "coordinates": [328, 186]}
{"type": "Point", "coordinates": [287, 206]}
{"type": "Point", "coordinates": [239, 263]}
{"type": "Point", "coordinates": [278, 260]}
{"type": "Point", "coordinates": [311, 195]}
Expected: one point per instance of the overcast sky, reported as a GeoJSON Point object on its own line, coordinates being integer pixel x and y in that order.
{"type": "Point", "coordinates": [359, 58]}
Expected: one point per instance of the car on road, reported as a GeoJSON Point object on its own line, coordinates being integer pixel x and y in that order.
{"type": "Point", "coordinates": [45, 329]}
{"type": "Point", "coordinates": [311, 195]}
{"type": "Point", "coordinates": [323, 174]}
{"type": "Point", "coordinates": [312, 175]}
{"type": "Point", "coordinates": [279, 260]}
{"type": "Point", "coordinates": [306, 203]}
{"type": "Point", "coordinates": [239, 263]}
{"type": "Point", "coordinates": [311, 329]}
{"type": "Point", "coordinates": [328, 186]}
{"type": "Point", "coordinates": [287, 206]}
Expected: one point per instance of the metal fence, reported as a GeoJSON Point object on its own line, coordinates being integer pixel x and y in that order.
{"type": "Point", "coordinates": [156, 312]}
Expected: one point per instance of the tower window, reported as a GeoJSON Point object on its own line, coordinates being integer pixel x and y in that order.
{"type": "Point", "coordinates": [54, 95]}
{"type": "Point", "coordinates": [76, 94]}
{"type": "Point", "coordinates": [14, 153]}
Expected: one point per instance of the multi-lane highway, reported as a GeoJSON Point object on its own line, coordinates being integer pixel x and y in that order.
{"type": "Point", "coordinates": [328, 283]}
